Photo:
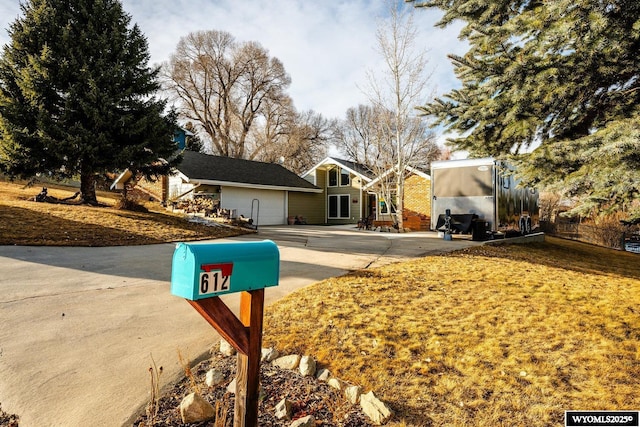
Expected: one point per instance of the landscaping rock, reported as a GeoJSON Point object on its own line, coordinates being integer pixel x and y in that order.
{"type": "Point", "coordinates": [288, 362]}
{"type": "Point", "coordinates": [352, 393]}
{"type": "Point", "coordinates": [269, 354]}
{"type": "Point", "coordinates": [335, 383]}
{"type": "Point", "coordinates": [226, 348]}
{"type": "Point", "coordinates": [328, 406]}
{"type": "Point", "coordinates": [194, 409]}
{"type": "Point", "coordinates": [214, 377]}
{"type": "Point", "coordinates": [323, 374]}
{"type": "Point", "coordinates": [283, 410]}
{"type": "Point", "coordinates": [307, 366]}
{"type": "Point", "coordinates": [231, 388]}
{"type": "Point", "coordinates": [307, 421]}
{"type": "Point", "coordinates": [375, 409]}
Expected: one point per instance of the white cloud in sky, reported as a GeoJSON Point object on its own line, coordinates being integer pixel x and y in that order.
{"type": "Point", "coordinates": [326, 46]}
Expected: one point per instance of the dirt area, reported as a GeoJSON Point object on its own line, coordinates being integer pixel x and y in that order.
{"type": "Point", "coordinates": [8, 420]}
{"type": "Point", "coordinates": [308, 396]}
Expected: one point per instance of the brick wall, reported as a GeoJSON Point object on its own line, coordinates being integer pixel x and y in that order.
{"type": "Point", "coordinates": [152, 188]}
{"type": "Point", "coordinates": [417, 203]}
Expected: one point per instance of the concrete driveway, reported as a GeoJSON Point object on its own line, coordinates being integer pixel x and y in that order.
{"type": "Point", "coordinates": [80, 325]}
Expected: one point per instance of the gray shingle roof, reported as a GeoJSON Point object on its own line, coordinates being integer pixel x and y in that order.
{"type": "Point", "coordinates": [357, 167]}
{"type": "Point", "coordinates": [205, 167]}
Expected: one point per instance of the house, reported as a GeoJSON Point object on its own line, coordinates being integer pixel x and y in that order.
{"type": "Point", "coordinates": [351, 191]}
{"type": "Point", "coordinates": [180, 137]}
{"type": "Point", "coordinates": [256, 190]}
{"type": "Point", "coordinates": [342, 199]}
{"type": "Point", "coordinates": [417, 198]}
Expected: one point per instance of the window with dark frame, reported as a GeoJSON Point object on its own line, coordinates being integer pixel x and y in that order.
{"type": "Point", "coordinates": [333, 177]}
{"type": "Point", "coordinates": [339, 206]}
{"type": "Point", "coordinates": [333, 207]}
{"type": "Point", "coordinates": [344, 206]}
{"type": "Point", "coordinates": [345, 178]}
{"type": "Point", "coordinates": [384, 207]}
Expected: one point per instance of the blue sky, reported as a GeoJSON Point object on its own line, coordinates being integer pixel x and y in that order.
{"type": "Point", "coordinates": [326, 46]}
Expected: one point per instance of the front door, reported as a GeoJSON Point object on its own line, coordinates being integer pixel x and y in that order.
{"type": "Point", "coordinates": [372, 205]}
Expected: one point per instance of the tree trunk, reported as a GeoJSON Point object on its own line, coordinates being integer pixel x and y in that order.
{"type": "Point", "coordinates": [400, 202]}
{"type": "Point", "coordinates": [88, 188]}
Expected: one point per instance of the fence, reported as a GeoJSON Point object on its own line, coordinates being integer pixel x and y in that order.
{"type": "Point", "coordinates": [620, 237]}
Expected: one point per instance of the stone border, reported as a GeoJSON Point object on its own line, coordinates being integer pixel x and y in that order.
{"type": "Point", "coordinates": [378, 412]}
{"type": "Point", "coordinates": [529, 238]}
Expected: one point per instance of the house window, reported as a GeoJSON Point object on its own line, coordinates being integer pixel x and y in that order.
{"type": "Point", "coordinates": [344, 177]}
{"type": "Point", "coordinates": [333, 177]}
{"type": "Point", "coordinates": [339, 206]}
{"type": "Point", "coordinates": [384, 207]}
{"type": "Point", "coordinates": [339, 176]}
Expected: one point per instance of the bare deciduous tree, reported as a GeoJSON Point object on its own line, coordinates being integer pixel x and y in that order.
{"type": "Point", "coordinates": [274, 125]}
{"type": "Point", "coordinates": [388, 134]}
{"type": "Point", "coordinates": [394, 94]}
{"type": "Point", "coordinates": [356, 135]}
{"type": "Point", "coordinates": [298, 139]}
{"type": "Point", "coordinates": [224, 87]}
{"type": "Point", "coordinates": [307, 142]}
{"type": "Point", "coordinates": [236, 94]}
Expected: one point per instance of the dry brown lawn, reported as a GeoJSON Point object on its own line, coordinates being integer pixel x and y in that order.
{"type": "Point", "coordinates": [491, 336]}
{"type": "Point", "coordinates": [26, 222]}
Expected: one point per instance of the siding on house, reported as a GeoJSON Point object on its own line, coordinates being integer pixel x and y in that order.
{"type": "Point", "coordinates": [176, 187]}
{"type": "Point", "coordinates": [346, 204]}
{"type": "Point", "coordinates": [309, 206]}
{"type": "Point", "coordinates": [321, 178]}
{"type": "Point", "coordinates": [342, 203]}
{"type": "Point", "coordinates": [353, 192]}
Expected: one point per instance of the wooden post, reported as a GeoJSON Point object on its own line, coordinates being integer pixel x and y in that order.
{"type": "Point", "coordinates": [245, 335]}
{"type": "Point", "coordinates": [248, 368]}
{"type": "Point", "coordinates": [218, 315]}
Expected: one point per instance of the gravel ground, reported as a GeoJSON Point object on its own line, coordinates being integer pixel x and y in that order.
{"type": "Point", "coordinates": [308, 396]}
{"type": "Point", "coordinates": [8, 420]}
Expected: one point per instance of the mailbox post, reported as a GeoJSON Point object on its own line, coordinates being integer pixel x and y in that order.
{"type": "Point", "coordinates": [201, 273]}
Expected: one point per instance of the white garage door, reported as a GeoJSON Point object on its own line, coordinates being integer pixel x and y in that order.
{"type": "Point", "coordinates": [272, 204]}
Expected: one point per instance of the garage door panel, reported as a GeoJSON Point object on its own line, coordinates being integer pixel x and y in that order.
{"type": "Point", "coordinates": [272, 204]}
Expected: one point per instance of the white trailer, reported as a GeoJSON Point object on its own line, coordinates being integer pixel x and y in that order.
{"type": "Point", "coordinates": [481, 193]}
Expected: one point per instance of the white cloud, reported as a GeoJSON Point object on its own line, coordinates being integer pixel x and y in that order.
{"type": "Point", "coordinates": [326, 46]}
{"type": "Point", "coordinates": [9, 11]}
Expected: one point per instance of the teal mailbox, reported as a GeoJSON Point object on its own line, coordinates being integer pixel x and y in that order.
{"type": "Point", "coordinates": [205, 270]}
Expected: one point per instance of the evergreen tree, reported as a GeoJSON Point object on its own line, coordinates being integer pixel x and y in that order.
{"type": "Point", "coordinates": [560, 76]}
{"type": "Point", "coordinates": [77, 97]}
{"type": "Point", "coordinates": [193, 142]}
